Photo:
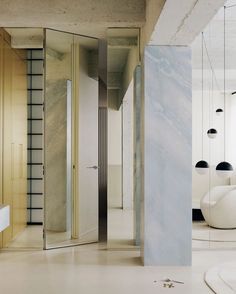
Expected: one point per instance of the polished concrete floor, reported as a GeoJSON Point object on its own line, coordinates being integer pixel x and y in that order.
{"type": "Point", "coordinates": [120, 233]}
{"type": "Point", "coordinates": [222, 278]}
{"type": "Point", "coordinates": [92, 269]}
{"type": "Point", "coordinates": [205, 237]}
{"type": "Point", "coordinates": [100, 268]}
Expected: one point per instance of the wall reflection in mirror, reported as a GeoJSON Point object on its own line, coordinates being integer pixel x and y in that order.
{"type": "Point", "coordinates": [71, 113]}
{"type": "Point", "coordinates": [123, 205]}
{"type": "Point", "coordinates": [214, 137]}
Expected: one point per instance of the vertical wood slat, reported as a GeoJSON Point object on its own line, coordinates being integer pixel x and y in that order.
{"type": "Point", "coordinates": [13, 95]}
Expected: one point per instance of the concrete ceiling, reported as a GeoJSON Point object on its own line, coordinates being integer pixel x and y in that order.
{"type": "Point", "coordinates": [165, 22]}
{"type": "Point", "coordinates": [162, 22]}
{"type": "Point", "coordinates": [181, 21]}
{"type": "Point", "coordinates": [213, 35]}
{"type": "Point", "coordinates": [87, 17]}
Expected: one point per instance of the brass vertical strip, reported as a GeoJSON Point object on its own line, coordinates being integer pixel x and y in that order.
{"type": "Point", "coordinates": [1, 120]}
{"type": "Point", "coordinates": [102, 139]}
{"type": "Point", "coordinates": [75, 139]}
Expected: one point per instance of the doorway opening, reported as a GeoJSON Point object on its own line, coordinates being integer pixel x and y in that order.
{"type": "Point", "coordinates": [123, 57]}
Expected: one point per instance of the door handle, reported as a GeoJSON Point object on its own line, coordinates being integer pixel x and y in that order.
{"type": "Point", "coordinates": [93, 167]}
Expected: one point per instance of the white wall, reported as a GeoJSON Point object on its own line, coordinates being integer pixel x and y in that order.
{"type": "Point", "coordinates": [114, 137]}
{"type": "Point", "coordinates": [114, 158]}
{"type": "Point", "coordinates": [128, 148]}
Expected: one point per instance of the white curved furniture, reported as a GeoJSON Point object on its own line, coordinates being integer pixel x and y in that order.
{"type": "Point", "coordinates": [218, 207]}
{"type": "Point", "coordinates": [4, 217]}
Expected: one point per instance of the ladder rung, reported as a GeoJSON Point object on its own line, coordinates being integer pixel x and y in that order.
{"type": "Point", "coordinates": [34, 59]}
{"type": "Point", "coordinates": [35, 134]}
{"type": "Point", "coordinates": [35, 74]}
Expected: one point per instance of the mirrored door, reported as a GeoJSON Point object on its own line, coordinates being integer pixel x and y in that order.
{"type": "Point", "coordinates": [71, 140]}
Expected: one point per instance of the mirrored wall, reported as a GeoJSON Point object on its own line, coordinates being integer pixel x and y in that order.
{"type": "Point", "coordinates": [214, 137]}
{"type": "Point", "coordinates": [71, 140]}
{"type": "Point", "coordinates": [123, 58]}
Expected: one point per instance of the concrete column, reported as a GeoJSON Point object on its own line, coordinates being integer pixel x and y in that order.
{"type": "Point", "coordinates": [166, 206]}
{"type": "Point", "coordinates": [127, 138]}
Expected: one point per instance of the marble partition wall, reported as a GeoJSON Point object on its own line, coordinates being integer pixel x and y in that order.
{"type": "Point", "coordinates": [137, 127]}
{"type": "Point", "coordinates": [55, 154]}
{"type": "Point", "coordinates": [166, 226]}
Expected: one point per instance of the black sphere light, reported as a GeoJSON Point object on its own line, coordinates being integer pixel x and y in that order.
{"type": "Point", "coordinates": [219, 111]}
{"type": "Point", "coordinates": [224, 169]}
{"type": "Point", "coordinates": [211, 133]}
{"type": "Point", "coordinates": [202, 167]}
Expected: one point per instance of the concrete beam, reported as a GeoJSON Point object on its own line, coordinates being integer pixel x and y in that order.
{"type": "Point", "coordinates": [113, 99]}
{"type": "Point", "coordinates": [27, 42]}
{"type": "Point", "coordinates": [54, 54]}
{"type": "Point", "coordinates": [181, 21]}
{"type": "Point", "coordinates": [123, 43]}
{"type": "Point", "coordinates": [93, 64]}
{"type": "Point", "coordinates": [114, 80]}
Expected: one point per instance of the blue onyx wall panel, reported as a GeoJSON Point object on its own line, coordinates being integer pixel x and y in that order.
{"type": "Point", "coordinates": [167, 226]}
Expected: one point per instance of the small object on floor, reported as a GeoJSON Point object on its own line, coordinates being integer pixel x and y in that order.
{"type": "Point", "coordinates": [178, 282]}
{"type": "Point", "coordinates": [172, 281]}
{"type": "Point", "coordinates": [168, 285]}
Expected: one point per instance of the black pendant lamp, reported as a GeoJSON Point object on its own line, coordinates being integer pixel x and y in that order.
{"type": "Point", "coordinates": [211, 133]}
{"type": "Point", "coordinates": [224, 168]}
{"type": "Point", "coordinates": [219, 111]}
{"type": "Point", "coordinates": [202, 166]}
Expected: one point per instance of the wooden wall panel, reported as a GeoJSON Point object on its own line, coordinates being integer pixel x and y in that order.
{"type": "Point", "coordinates": [7, 137]}
{"type": "Point", "coordinates": [13, 120]}
{"type": "Point", "coordinates": [19, 139]}
{"type": "Point", "coordinates": [1, 91]}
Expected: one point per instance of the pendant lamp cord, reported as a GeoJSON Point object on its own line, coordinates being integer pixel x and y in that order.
{"type": "Point", "coordinates": [202, 96]}
{"type": "Point", "coordinates": [224, 90]}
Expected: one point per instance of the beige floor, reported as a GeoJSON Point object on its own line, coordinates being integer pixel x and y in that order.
{"type": "Point", "coordinates": [97, 268]}
{"type": "Point", "coordinates": [120, 229]}
{"type": "Point", "coordinates": [120, 233]}
{"type": "Point", "coordinates": [205, 237]}
{"type": "Point", "coordinates": [93, 269]}
{"type": "Point", "coordinates": [31, 237]}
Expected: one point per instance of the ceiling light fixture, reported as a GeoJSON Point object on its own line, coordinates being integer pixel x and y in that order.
{"type": "Point", "coordinates": [211, 133]}
{"type": "Point", "coordinates": [219, 111]}
{"type": "Point", "coordinates": [202, 166]}
{"type": "Point", "coordinates": [224, 168]}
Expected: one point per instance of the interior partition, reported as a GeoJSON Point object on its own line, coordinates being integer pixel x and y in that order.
{"type": "Point", "coordinates": [166, 205]}
{"type": "Point", "coordinates": [71, 140]}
